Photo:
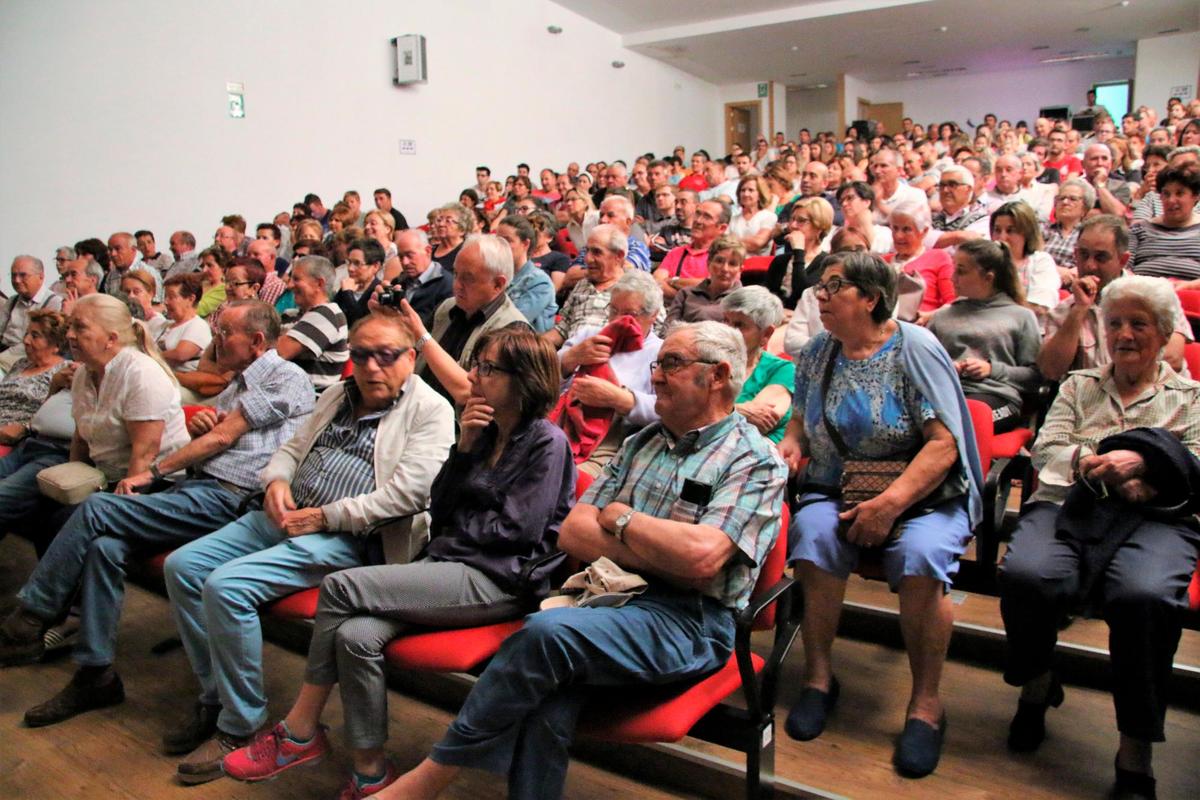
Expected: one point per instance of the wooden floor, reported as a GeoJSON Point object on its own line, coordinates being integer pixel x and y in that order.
{"type": "Point", "coordinates": [113, 753]}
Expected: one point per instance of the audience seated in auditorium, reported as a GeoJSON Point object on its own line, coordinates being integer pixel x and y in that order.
{"type": "Point", "coordinates": [609, 377]}
{"type": "Point", "coordinates": [989, 334]}
{"type": "Point", "coordinates": [962, 216]}
{"type": "Point", "coordinates": [1016, 225]}
{"type": "Point", "coordinates": [1136, 576]}
{"type": "Point", "coordinates": [886, 171]}
{"type": "Point", "coordinates": [26, 385]}
{"type": "Point", "coordinates": [213, 263]}
{"type": "Point", "coordinates": [123, 256]}
{"type": "Point", "coordinates": [151, 257]}
{"type": "Point", "coordinates": [126, 412]}
{"type": "Point", "coordinates": [265, 253]}
{"type": "Point", "coordinates": [1074, 199]}
{"type": "Point", "coordinates": [231, 444]}
{"type": "Point", "coordinates": [864, 363]}
{"type": "Point", "coordinates": [754, 222]}
{"type": "Point", "coordinates": [910, 226]}
{"type": "Point", "coordinates": [805, 244]}
{"type": "Point", "coordinates": [183, 248]}
{"type": "Point", "coordinates": [482, 273]}
{"type": "Point", "coordinates": [1075, 335]}
{"type": "Point", "coordinates": [520, 716]}
{"type": "Point", "coordinates": [450, 226]}
{"type": "Point", "coordinates": [369, 452]}
{"type": "Point", "coordinates": [315, 331]}
{"type": "Point", "coordinates": [531, 290]}
{"type": "Point", "coordinates": [31, 293]}
{"type": "Point", "coordinates": [766, 396]}
{"type": "Point", "coordinates": [496, 507]}
{"type": "Point", "coordinates": [1168, 246]}
{"type": "Point", "coordinates": [677, 231]}
{"type": "Point", "coordinates": [703, 301]}
{"type": "Point", "coordinates": [138, 286]}
{"type": "Point", "coordinates": [364, 265]}
{"type": "Point", "coordinates": [857, 200]}
{"type": "Point", "coordinates": [587, 304]}
{"type": "Point", "coordinates": [186, 335]}
{"type": "Point", "coordinates": [1112, 194]}
{"type": "Point", "coordinates": [687, 264]}
{"type": "Point", "coordinates": [422, 281]}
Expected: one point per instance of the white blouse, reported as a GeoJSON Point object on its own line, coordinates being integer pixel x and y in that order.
{"type": "Point", "coordinates": [135, 388]}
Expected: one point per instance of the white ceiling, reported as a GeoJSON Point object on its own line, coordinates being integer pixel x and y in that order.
{"type": "Point", "coordinates": [806, 42]}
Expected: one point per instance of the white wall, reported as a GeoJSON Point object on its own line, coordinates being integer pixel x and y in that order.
{"type": "Point", "coordinates": [853, 89]}
{"type": "Point", "coordinates": [1012, 95]}
{"type": "Point", "coordinates": [815, 109]}
{"type": "Point", "coordinates": [1163, 63]}
{"type": "Point", "coordinates": [114, 113]}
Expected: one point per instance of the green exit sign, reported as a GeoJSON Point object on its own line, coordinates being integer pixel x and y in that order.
{"type": "Point", "coordinates": [762, 90]}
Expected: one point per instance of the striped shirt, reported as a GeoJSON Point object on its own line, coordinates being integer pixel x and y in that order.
{"type": "Point", "coordinates": [341, 462]}
{"type": "Point", "coordinates": [1089, 409]}
{"type": "Point", "coordinates": [323, 333]}
{"type": "Point", "coordinates": [275, 396]}
{"type": "Point", "coordinates": [1164, 252]}
{"type": "Point", "coordinates": [746, 479]}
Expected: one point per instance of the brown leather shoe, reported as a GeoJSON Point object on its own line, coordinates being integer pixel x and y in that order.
{"type": "Point", "coordinates": [76, 697]}
{"type": "Point", "coordinates": [21, 638]}
{"type": "Point", "coordinates": [204, 763]}
{"type": "Point", "coordinates": [193, 732]}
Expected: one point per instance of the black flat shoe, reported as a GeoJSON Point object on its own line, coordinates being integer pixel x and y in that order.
{"type": "Point", "coordinates": [806, 720]}
{"type": "Point", "coordinates": [1028, 726]}
{"type": "Point", "coordinates": [1132, 785]}
{"type": "Point", "coordinates": [919, 748]}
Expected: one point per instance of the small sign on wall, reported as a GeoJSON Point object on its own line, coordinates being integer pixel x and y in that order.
{"type": "Point", "coordinates": [1183, 91]}
{"type": "Point", "coordinates": [762, 90]}
{"type": "Point", "coordinates": [237, 100]}
{"type": "Point", "coordinates": [408, 147]}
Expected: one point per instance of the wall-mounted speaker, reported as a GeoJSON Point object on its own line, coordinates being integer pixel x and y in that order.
{"type": "Point", "coordinates": [410, 59]}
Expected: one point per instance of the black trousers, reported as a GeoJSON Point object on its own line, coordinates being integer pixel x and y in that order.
{"type": "Point", "coordinates": [1142, 594]}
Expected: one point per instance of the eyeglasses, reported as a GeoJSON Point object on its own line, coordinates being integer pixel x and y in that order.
{"type": "Point", "coordinates": [1064, 198]}
{"type": "Point", "coordinates": [235, 284]}
{"type": "Point", "coordinates": [950, 184]}
{"type": "Point", "coordinates": [672, 363]}
{"type": "Point", "coordinates": [384, 356]}
{"type": "Point", "coordinates": [832, 286]}
{"type": "Point", "coordinates": [1098, 256]}
{"type": "Point", "coordinates": [485, 369]}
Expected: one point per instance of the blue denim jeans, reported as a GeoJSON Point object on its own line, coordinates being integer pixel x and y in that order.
{"type": "Point", "coordinates": [94, 545]}
{"type": "Point", "coordinates": [19, 494]}
{"type": "Point", "coordinates": [216, 585]}
{"type": "Point", "coordinates": [520, 717]}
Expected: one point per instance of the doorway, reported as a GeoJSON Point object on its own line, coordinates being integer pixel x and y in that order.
{"type": "Point", "coordinates": [742, 124]}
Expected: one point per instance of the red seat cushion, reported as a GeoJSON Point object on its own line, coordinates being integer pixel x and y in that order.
{"type": "Point", "coordinates": [1194, 591]}
{"type": "Point", "coordinates": [4, 450]}
{"type": "Point", "coordinates": [459, 650]}
{"type": "Point", "coordinates": [298, 605]}
{"type": "Point", "coordinates": [1008, 445]}
{"type": "Point", "coordinates": [756, 264]}
{"type": "Point", "coordinates": [154, 564]}
{"type": "Point", "coordinates": [659, 714]}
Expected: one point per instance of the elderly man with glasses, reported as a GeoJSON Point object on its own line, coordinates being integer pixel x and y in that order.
{"type": "Point", "coordinates": [961, 217]}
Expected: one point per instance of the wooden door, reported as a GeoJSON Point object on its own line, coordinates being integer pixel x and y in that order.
{"type": "Point", "coordinates": [890, 114]}
{"type": "Point", "coordinates": [740, 125]}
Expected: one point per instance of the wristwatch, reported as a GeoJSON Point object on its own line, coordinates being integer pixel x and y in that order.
{"type": "Point", "coordinates": [419, 344]}
{"type": "Point", "coordinates": [155, 472]}
{"type": "Point", "coordinates": [621, 524]}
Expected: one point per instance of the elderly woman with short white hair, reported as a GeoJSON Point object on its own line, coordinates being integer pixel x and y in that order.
{"type": "Point", "coordinates": [766, 396]}
{"type": "Point", "coordinates": [910, 223]}
{"type": "Point", "coordinates": [1137, 575]}
{"type": "Point", "coordinates": [1074, 199]}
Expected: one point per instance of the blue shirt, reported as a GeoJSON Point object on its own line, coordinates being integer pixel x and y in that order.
{"type": "Point", "coordinates": [275, 396]}
{"type": "Point", "coordinates": [532, 292]}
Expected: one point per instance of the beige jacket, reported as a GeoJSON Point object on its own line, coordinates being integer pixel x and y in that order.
{"type": "Point", "coordinates": [412, 443]}
{"type": "Point", "coordinates": [505, 314]}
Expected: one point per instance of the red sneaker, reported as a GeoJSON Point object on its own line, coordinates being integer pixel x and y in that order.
{"type": "Point", "coordinates": [271, 753]}
{"type": "Point", "coordinates": [352, 791]}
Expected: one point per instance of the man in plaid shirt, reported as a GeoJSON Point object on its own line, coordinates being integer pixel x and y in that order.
{"type": "Point", "coordinates": [257, 413]}
{"type": "Point", "coordinates": [691, 504]}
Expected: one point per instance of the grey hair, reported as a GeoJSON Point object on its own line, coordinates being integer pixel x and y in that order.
{"type": "Point", "coordinates": [1156, 294]}
{"type": "Point", "coordinates": [462, 217]}
{"type": "Point", "coordinates": [1037, 160]}
{"type": "Point", "coordinates": [873, 277]}
{"type": "Point", "coordinates": [422, 237]}
{"type": "Point", "coordinates": [1089, 193]}
{"type": "Point", "coordinates": [718, 343]}
{"type": "Point", "coordinates": [764, 309]}
{"type": "Point", "coordinates": [319, 268]}
{"type": "Point", "coordinates": [635, 281]}
{"type": "Point", "coordinates": [1182, 151]}
{"type": "Point", "coordinates": [95, 272]}
{"type": "Point", "coordinates": [914, 209]}
{"type": "Point", "coordinates": [259, 317]}
{"type": "Point", "coordinates": [961, 172]}
{"type": "Point", "coordinates": [495, 252]}
{"type": "Point", "coordinates": [615, 240]}
{"type": "Point", "coordinates": [66, 252]}
{"type": "Point", "coordinates": [34, 261]}
{"type": "Point", "coordinates": [622, 201]}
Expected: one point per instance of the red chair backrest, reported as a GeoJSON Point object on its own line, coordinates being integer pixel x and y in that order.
{"type": "Point", "coordinates": [756, 264]}
{"type": "Point", "coordinates": [1190, 300]}
{"type": "Point", "coordinates": [772, 571]}
{"type": "Point", "coordinates": [981, 421]}
{"type": "Point", "coordinates": [1191, 355]}
{"type": "Point", "coordinates": [348, 370]}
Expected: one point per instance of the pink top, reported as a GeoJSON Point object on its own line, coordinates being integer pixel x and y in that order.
{"type": "Point", "coordinates": [937, 268]}
{"type": "Point", "coordinates": [684, 262]}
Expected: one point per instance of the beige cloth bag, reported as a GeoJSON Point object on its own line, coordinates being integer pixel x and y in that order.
{"type": "Point", "coordinates": [603, 583]}
{"type": "Point", "coordinates": [70, 483]}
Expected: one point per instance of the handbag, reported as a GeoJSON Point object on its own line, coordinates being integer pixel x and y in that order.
{"type": "Point", "coordinates": [71, 483]}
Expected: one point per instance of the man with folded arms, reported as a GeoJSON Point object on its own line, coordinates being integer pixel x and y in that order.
{"type": "Point", "coordinates": [259, 411]}
{"type": "Point", "coordinates": [368, 453]}
{"type": "Point", "coordinates": [692, 505]}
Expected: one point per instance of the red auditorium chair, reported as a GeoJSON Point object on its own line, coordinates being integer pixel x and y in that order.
{"type": "Point", "coordinates": [1191, 356]}
{"type": "Point", "coordinates": [755, 265]}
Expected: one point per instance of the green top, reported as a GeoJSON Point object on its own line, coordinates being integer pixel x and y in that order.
{"type": "Point", "coordinates": [210, 300]}
{"type": "Point", "coordinates": [771, 370]}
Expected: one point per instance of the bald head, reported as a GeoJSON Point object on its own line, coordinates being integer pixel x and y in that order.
{"type": "Point", "coordinates": [1007, 172]}
{"type": "Point", "coordinates": [122, 250]}
{"type": "Point", "coordinates": [813, 178]}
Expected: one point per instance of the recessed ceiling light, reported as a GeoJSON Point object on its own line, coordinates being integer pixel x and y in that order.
{"type": "Point", "coordinates": [795, 48]}
{"type": "Point", "coordinates": [1124, 4]}
{"type": "Point", "coordinates": [913, 75]}
{"type": "Point", "coordinates": [942, 29]}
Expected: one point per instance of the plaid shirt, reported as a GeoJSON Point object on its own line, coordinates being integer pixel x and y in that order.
{"type": "Point", "coordinates": [1060, 246]}
{"type": "Point", "coordinates": [747, 479]}
{"type": "Point", "coordinates": [275, 396]}
{"type": "Point", "coordinates": [585, 306]}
